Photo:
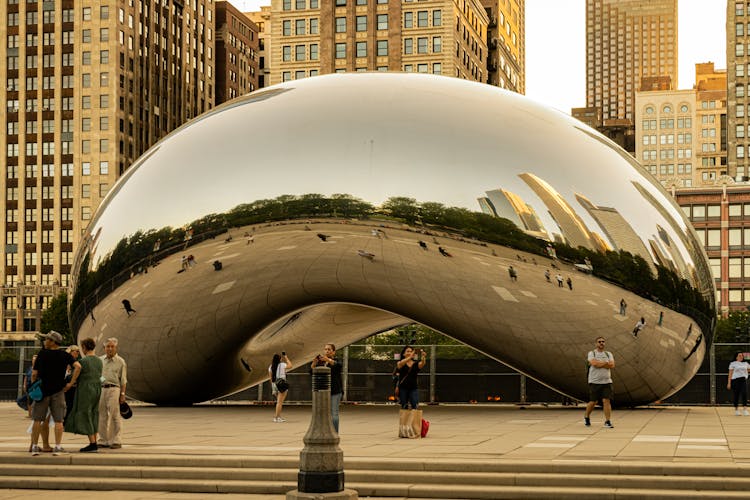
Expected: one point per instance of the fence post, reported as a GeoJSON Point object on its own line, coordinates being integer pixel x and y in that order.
{"type": "Point", "coordinates": [433, 375]}
{"type": "Point", "coordinates": [712, 374]}
{"type": "Point", "coordinates": [21, 371]}
{"type": "Point", "coordinates": [345, 375]}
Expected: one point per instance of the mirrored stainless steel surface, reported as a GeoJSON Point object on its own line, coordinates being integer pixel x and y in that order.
{"type": "Point", "coordinates": [344, 205]}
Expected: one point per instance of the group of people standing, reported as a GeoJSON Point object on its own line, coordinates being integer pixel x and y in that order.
{"type": "Point", "coordinates": [410, 363]}
{"type": "Point", "coordinates": [98, 384]}
{"type": "Point", "coordinates": [280, 387]}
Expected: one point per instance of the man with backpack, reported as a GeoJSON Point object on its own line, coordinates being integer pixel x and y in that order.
{"type": "Point", "coordinates": [600, 362]}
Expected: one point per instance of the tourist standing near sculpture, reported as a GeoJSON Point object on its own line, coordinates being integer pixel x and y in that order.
{"type": "Point", "coordinates": [328, 358]}
{"type": "Point", "coordinates": [115, 374]}
{"type": "Point", "coordinates": [600, 382]}
{"type": "Point", "coordinates": [737, 381]}
{"type": "Point", "coordinates": [279, 385]}
{"type": "Point", "coordinates": [50, 366]}
{"type": "Point", "coordinates": [408, 368]}
{"type": "Point", "coordinates": [83, 417]}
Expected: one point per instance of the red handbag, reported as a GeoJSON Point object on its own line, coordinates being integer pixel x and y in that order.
{"type": "Point", "coordinates": [425, 427]}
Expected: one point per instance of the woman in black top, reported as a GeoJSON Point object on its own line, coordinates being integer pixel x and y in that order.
{"type": "Point", "coordinates": [408, 368]}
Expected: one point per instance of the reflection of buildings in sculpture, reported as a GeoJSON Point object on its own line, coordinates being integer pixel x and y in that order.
{"type": "Point", "coordinates": [573, 228]}
{"type": "Point", "coordinates": [503, 203]}
{"type": "Point", "coordinates": [694, 269]}
{"type": "Point", "coordinates": [618, 230]}
{"type": "Point", "coordinates": [669, 244]}
{"type": "Point", "coordinates": [661, 256]}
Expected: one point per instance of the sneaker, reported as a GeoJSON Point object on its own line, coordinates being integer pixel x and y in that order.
{"type": "Point", "coordinates": [746, 413]}
{"type": "Point", "coordinates": [280, 419]}
{"type": "Point", "coordinates": [91, 448]}
{"type": "Point", "coordinates": [275, 419]}
{"type": "Point", "coordinates": [608, 425]}
{"type": "Point", "coordinates": [58, 450]}
{"type": "Point", "coordinates": [35, 450]}
{"type": "Point", "coordinates": [115, 446]}
{"type": "Point", "coordinates": [587, 421]}
{"type": "Point", "coordinates": [102, 445]}
{"type": "Point", "coordinates": [737, 412]}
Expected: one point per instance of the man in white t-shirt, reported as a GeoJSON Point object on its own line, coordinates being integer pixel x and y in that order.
{"type": "Point", "coordinates": [600, 382]}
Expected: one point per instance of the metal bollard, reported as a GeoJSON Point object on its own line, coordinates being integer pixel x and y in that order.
{"type": "Point", "coordinates": [321, 464]}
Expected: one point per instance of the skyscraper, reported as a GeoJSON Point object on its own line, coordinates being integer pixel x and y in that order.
{"type": "Point", "coordinates": [738, 104]}
{"type": "Point", "coordinates": [630, 45]}
{"type": "Point", "coordinates": [507, 44]}
{"type": "Point", "coordinates": [89, 87]}
{"type": "Point", "coordinates": [236, 53]}
{"type": "Point", "coordinates": [311, 37]}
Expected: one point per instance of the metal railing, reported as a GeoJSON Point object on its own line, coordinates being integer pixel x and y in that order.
{"type": "Point", "coordinates": [452, 374]}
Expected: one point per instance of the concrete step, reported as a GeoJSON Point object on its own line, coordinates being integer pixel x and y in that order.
{"type": "Point", "coordinates": [399, 478]}
{"type": "Point", "coordinates": [289, 475]}
{"type": "Point", "coordinates": [403, 490]}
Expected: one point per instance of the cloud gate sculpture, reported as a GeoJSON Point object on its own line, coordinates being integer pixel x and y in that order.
{"type": "Point", "coordinates": [335, 207]}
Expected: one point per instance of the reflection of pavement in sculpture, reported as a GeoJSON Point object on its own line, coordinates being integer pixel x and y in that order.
{"type": "Point", "coordinates": [545, 329]}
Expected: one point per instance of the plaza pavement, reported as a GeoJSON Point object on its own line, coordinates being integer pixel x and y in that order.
{"type": "Point", "coordinates": [470, 433]}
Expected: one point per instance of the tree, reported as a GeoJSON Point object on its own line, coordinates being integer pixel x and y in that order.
{"type": "Point", "coordinates": [55, 317]}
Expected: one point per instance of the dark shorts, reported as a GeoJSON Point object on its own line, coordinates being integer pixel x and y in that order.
{"type": "Point", "coordinates": [56, 405]}
{"type": "Point", "coordinates": [600, 391]}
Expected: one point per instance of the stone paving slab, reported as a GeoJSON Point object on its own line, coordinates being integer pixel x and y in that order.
{"type": "Point", "coordinates": [710, 435]}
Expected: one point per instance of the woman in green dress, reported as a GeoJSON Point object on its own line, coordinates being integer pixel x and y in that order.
{"type": "Point", "coordinates": [84, 416]}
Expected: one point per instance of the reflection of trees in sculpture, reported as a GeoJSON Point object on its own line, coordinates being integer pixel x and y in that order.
{"type": "Point", "coordinates": [137, 252]}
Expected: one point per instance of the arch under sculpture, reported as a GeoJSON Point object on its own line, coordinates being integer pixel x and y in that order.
{"type": "Point", "coordinates": [344, 205]}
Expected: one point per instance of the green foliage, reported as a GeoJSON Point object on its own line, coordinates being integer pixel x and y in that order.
{"type": "Point", "coordinates": [55, 317]}
{"type": "Point", "coordinates": [8, 355]}
{"type": "Point", "coordinates": [733, 328]}
{"type": "Point", "coordinates": [384, 345]}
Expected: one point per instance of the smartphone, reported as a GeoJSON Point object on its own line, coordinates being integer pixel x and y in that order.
{"type": "Point", "coordinates": [283, 353]}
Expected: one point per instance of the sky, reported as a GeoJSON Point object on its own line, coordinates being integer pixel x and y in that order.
{"type": "Point", "coordinates": [556, 46]}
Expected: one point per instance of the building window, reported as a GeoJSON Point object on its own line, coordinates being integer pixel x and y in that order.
{"type": "Point", "coordinates": [340, 25]}
{"type": "Point", "coordinates": [340, 51]}
{"type": "Point", "coordinates": [437, 44]}
{"type": "Point", "coordinates": [422, 45]}
{"type": "Point", "coordinates": [287, 5]}
{"type": "Point", "coordinates": [437, 18]}
{"type": "Point", "coordinates": [286, 53]}
{"type": "Point", "coordinates": [422, 19]}
{"type": "Point", "coordinates": [408, 46]}
{"type": "Point", "coordinates": [361, 23]}
{"type": "Point", "coordinates": [437, 69]}
{"type": "Point", "coordinates": [300, 4]}
{"type": "Point", "coordinates": [361, 49]}
{"type": "Point", "coordinates": [314, 26]}
{"type": "Point", "coordinates": [299, 52]}
{"type": "Point", "coordinates": [382, 48]}
{"type": "Point", "coordinates": [287, 27]}
{"type": "Point", "coordinates": [286, 76]}
{"type": "Point", "coordinates": [382, 21]}
{"type": "Point", "coordinates": [314, 52]}
{"type": "Point", "coordinates": [408, 19]}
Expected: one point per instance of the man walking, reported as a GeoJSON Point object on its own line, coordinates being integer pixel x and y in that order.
{"type": "Point", "coordinates": [328, 358]}
{"type": "Point", "coordinates": [115, 374]}
{"type": "Point", "coordinates": [600, 382]}
{"type": "Point", "coordinates": [50, 365]}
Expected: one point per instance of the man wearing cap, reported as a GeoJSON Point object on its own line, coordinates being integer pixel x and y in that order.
{"type": "Point", "coordinates": [50, 365]}
{"type": "Point", "coordinates": [115, 374]}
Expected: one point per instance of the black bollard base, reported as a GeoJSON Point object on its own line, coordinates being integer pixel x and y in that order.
{"type": "Point", "coordinates": [320, 482]}
{"type": "Point", "coordinates": [339, 495]}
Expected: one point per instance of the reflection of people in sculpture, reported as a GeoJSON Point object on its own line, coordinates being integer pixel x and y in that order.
{"type": "Point", "coordinates": [423, 245]}
{"type": "Point", "coordinates": [737, 382]}
{"type": "Point", "coordinates": [444, 252]}
{"type": "Point", "coordinates": [547, 275]}
{"type": "Point", "coordinates": [559, 279]}
{"type": "Point", "coordinates": [513, 274]}
{"type": "Point", "coordinates": [623, 306]}
{"type": "Point", "coordinates": [323, 237]}
{"type": "Point", "coordinates": [128, 308]}
{"type": "Point", "coordinates": [570, 283]}
{"type": "Point", "coordinates": [639, 326]}
{"type": "Point", "coordinates": [366, 255]}
{"type": "Point", "coordinates": [600, 382]}
{"type": "Point", "coordinates": [695, 347]}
